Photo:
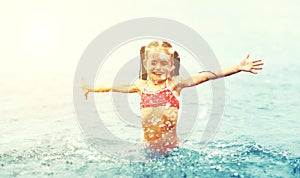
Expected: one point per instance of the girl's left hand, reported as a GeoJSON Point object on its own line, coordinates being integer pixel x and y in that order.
{"type": "Point", "coordinates": [250, 65]}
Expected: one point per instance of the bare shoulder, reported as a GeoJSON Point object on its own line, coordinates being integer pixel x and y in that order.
{"type": "Point", "coordinates": [176, 82]}
{"type": "Point", "coordinates": [189, 81]}
{"type": "Point", "coordinates": [178, 79]}
{"type": "Point", "coordinates": [139, 83]}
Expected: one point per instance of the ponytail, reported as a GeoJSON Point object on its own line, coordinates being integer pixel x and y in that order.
{"type": "Point", "coordinates": [143, 73]}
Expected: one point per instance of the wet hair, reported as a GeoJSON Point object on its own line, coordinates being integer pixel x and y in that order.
{"type": "Point", "coordinates": [158, 46]}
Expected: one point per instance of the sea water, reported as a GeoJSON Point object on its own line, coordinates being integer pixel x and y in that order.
{"type": "Point", "coordinates": [258, 136]}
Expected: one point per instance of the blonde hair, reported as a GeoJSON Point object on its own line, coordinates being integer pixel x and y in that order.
{"type": "Point", "coordinates": [158, 46]}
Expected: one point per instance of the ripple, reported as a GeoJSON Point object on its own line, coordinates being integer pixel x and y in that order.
{"type": "Point", "coordinates": [74, 158]}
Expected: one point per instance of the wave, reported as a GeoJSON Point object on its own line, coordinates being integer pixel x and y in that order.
{"type": "Point", "coordinates": [223, 158]}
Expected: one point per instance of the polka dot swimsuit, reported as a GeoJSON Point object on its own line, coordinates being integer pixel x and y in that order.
{"type": "Point", "coordinates": [162, 97]}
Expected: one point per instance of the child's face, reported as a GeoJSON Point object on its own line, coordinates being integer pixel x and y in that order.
{"type": "Point", "coordinates": [158, 66]}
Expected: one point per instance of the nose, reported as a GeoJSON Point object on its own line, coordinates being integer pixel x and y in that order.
{"type": "Point", "coordinates": [157, 66]}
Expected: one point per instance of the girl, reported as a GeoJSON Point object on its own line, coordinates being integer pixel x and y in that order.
{"type": "Point", "coordinates": [159, 87]}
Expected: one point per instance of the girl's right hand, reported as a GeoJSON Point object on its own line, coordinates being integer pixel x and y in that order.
{"type": "Point", "coordinates": [86, 90]}
{"type": "Point", "coordinates": [86, 94]}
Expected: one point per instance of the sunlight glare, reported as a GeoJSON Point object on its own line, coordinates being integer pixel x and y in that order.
{"type": "Point", "coordinates": [41, 34]}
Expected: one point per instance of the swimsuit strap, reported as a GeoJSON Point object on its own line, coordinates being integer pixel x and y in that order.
{"type": "Point", "coordinates": [168, 85]}
{"type": "Point", "coordinates": [144, 88]}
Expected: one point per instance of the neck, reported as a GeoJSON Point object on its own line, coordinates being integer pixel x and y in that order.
{"type": "Point", "coordinates": [158, 82]}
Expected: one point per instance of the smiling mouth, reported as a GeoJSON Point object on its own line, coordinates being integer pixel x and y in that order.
{"type": "Point", "coordinates": [157, 73]}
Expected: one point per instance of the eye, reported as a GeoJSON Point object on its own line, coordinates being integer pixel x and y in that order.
{"type": "Point", "coordinates": [153, 63]}
{"type": "Point", "coordinates": [164, 63]}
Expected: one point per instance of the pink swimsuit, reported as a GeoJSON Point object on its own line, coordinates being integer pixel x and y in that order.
{"type": "Point", "coordinates": [162, 97]}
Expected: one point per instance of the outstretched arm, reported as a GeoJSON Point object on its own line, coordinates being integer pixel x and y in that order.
{"type": "Point", "coordinates": [245, 65]}
{"type": "Point", "coordinates": [125, 88]}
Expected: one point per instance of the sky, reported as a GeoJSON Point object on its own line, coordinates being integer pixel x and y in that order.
{"type": "Point", "coordinates": [40, 38]}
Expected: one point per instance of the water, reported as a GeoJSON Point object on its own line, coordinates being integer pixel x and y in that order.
{"type": "Point", "coordinates": [62, 157]}
{"type": "Point", "coordinates": [258, 137]}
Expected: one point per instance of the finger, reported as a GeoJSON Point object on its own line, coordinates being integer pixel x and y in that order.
{"type": "Point", "coordinates": [258, 64]}
{"type": "Point", "coordinates": [256, 60]}
{"type": "Point", "coordinates": [257, 68]}
{"type": "Point", "coordinates": [244, 61]}
{"type": "Point", "coordinates": [86, 95]}
{"type": "Point", "coordinates": [247, 56]}
{"type": "Point", "coordinates": [253, 72]}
